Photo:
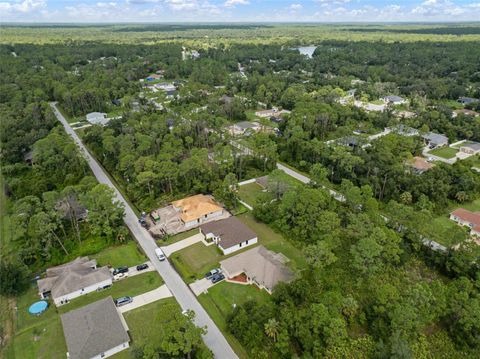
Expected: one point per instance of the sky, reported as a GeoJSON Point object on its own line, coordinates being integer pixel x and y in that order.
{"type": "Point", "coordinates": [115, 11]}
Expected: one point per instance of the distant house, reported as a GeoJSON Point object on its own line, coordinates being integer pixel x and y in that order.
{"type": "Point", "coordinates": [153, 77]}
{"type": "Point", "coordinates": [471, 148]}
{"type": "Point", "coordinates": [261, 267]}
{"type": "Point", "coordinates": [70, 208]}
{"type": "Point", "coordinates": [419, 165]}
{"type": "Point", "coordinates": [467, 218]}
{"type": "Point", "coordinates": [241, 128]}
{"type": "Point", "coordinates": [351, 93]}
{"type": "Point", "coordinates": [394, 100]}
{"type": "Point", "coordinates": [467, 100]}
{"type": "Point", "coordinates": [197, 209]}
{"type": "Point", "coordinates": [168, 88]}
{"type": "Point", "coordinates": [95, 331]}
{"type": "Point", "coordinates": [434, 140]}
{"type": "Point", "coordinates": [229, 234]}
{"type": "Point", "coordinates": [273, 112]}
{"type": "Point", "coordinates": [406, 131]}
{"type": "Point", "coordinates": [73, 279]}
{"type": "Point", "coordinates": [465, 112]}
{"type": "Point", "coordinates": [97, 118]}
{"type": "Point", "coordinates": [370, 106]}
{"type": "Point", "coordinates": [404, 114]}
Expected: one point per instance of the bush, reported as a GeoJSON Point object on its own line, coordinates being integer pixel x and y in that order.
{"type": "Point", "coordinates": [13, 278]}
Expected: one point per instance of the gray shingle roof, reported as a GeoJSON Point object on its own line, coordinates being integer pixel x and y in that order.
{"type": "Point", "coordinates": [436, 138]}
{"type": "Point", "coordinates": [230, 230]}
{"type": "Point", "coordinates": [93, 329]}
{"type": "Point", "coordinates": [474, 146]}
{"type": "Point", "coordinates": [245, 125]}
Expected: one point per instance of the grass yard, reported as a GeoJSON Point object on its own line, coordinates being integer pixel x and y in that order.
{"type": "Point", "coordinates": [250, 192]}
{"type": "Point", "coordinates": [445, 231]}
{"type": "Point", "coordinates": [122, 255]}
{"type": "Point", "coordinates": [194, 261]}
{"type": "Point", "coordinates": [444, 152]}
{"type": "Point", "coordinates": [177, 237]}
{"type": "Point", "coordinates": [130, 286]}
{"type": "Point", "coordinates": [219, 301]}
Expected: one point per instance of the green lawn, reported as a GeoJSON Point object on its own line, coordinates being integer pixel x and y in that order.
{"type": "Point", "coordinates": [165, 241]}
{"type": "Point", "coordinates": [122, 255]}
{"type": "Point", "coordinates": [250, 192]}
{"type": "Point", "coordinates": [219, 301]}
{"type": "Point", "coordinates": [445, 231]}
{"type": "Point", "coordinates": [194, 261]}
{"type": "Point", "coordinates": [130, 286]}
{"type": "Point", "coordinates": [444, 152]}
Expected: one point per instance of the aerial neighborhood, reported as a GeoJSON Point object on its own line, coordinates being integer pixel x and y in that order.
{"type": "Point", "coordinates": [227, 191]}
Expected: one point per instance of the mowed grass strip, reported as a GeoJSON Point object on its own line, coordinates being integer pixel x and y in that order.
{"type": "Point", "coordinates": [130, 286]}
{"type": "Point", "coordinates": [123, 255]}
{"type": "Point", "coordinates": [194, 261]}
{"type": "Point", "coordinates": [444, 152]}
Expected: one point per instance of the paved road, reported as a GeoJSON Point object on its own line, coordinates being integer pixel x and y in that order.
{"type": "Point", "coordinates": [214, 338]}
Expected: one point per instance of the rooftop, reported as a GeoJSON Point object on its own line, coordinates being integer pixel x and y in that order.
{"type": "Point", "coordinates": [93, 329]}
{"type": "Point", "coordinates": [194, 207]}
{"type": "Point", "coordinates": [72, 276]}
{"type": "Point", "coordinates": [435, 137]}
{"type": "Point", "coordinates": [244, 125]}
{"type": "Point", "coordinates": [265, 267]}
{"type": "Point", "coordinates": [230, 230]}
{"type": "Point", "coordinates": [468, 216]}
{"type": "Point", "coordinates": [472, 145]}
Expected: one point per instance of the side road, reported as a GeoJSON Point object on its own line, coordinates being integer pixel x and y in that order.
{"type": "Point", "coordinates": [214, 338]}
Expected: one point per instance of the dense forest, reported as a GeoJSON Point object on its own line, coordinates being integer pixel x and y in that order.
{"type": "Point", "coordinates": [371, 290]}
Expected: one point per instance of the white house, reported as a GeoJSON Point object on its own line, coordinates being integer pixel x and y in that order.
{"type": "Point", "coordinates": [467, 218]}
{"type": "Point", "coordinates": [197, 209]}
{"type": "Point", "coordinates": [229, 234]}
{"type": "Point", "coordinates": [71, 280]}
{"type": "Point", "coordinates": [97, 118]}
{"type": "Point", "coordinates": [471, 148]}
{"type": "Point", "coordinates": [95, 331]}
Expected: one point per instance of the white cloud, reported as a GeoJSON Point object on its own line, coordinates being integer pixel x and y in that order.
{"type": "Point", "coordinates": [232, 3]}
{"type": "Point", "coordinates": [22, 7]}
{"type": "Point", "coordinates": [295, 7]}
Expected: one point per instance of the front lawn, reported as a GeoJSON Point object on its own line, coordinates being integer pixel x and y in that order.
{"type": "Point", "coordinates": [194, 261]}
{"type": "Point", "coordinates": [250, 192]}
{"type": "Point", "coordinates": [444, 152]}
{"type": "Point", "coordinates": [167, 240]}
{"type": "Point", "coordinates": [219, 302]}
{"type": "Point", "coordinates": [123, 255]}
{"type": "Point", "coordinates": [130, 286]}
{"type": "Point", "coordinates": [445, 231]}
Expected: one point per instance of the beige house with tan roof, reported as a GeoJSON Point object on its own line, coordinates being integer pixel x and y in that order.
{"type": "Point", "coordinates": [197, 209]}
{"type": "Point", "coordinates": [73, 279]}
{"type": "Point", "coordinates": [262, 267]}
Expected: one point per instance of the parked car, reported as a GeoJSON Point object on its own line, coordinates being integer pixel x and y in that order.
{"type": "Point", "coordinates": [160, 255]}
{"type": "Point", "coordinates": [120, 276]}
{"type": "Point", "coordinates": [123, 300]}
{"type": "Point", "coordinates": [213, 272]}
{"type": "Point", "coordinates": [123, 269]}
{"type": "Point", "coordinates": [142, 266]}
{"type": "Point", "coordinates": [217, 278]}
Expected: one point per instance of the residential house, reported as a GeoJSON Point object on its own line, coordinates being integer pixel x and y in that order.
{"type": "Point", "coordinates": [370, 106]}
{"type": "Point", "coordinates": [95, 331]}
{"type": "Point", "coordinates": [154, 77]}
{"type": "Point", "coordinates": [434, 140]}
{"type": "Point", "coordinates": [350, 141]}
{"type": "Point", "coordinates": [229, 234]}
{"type": "Point", "coordinates": [168, 88]}
{"type": "Point", "coordinates": [97, 118]}
{"type": "Point", "coordinates": [244, 127]}
{"type": "Point", "coordinates": [394, 100]}
{"type": "Point", "coordinates": [467, 100]}
{"type": "Point", "coordinates": [467, 218]}
{"type": "Point", "coordinates": [273, 112]}
{"type": "Point", "coordinates": [404, 114]}
{"type": "Point", "coordinates": [73, 279]}
{"type": "Point", "coordinates": [419, 165]}
{"type": "Point", "coordinates": [471, 148]}
{"type": "Point", "coordinates": [197, 209]}
{"type": "Point", "coordinates": [260, 266]}
{"type": "Point", "coordinates": [71, 209]}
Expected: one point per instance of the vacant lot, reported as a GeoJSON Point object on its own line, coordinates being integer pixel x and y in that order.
{"type": "Point", "coordinates": [219, 303]}
{"type": "Point", "coordinates": [444, 152]}
{"type": "Point", "coordinates": [123, 255]}
{"type": "Point", "coordinates": [250, 192]}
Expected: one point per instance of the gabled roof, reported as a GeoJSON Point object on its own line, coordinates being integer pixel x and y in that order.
{"type": "Point", "coordinates": [473, 146]}
{"type": "Point", "coordinates": [197, 206]}
{"type": "Point", "coordinates": [393, 98]}
{"type": "Point", "coordinates": [265, 267]}
{"type": "Point", "coordinates": [93, 329]}
{"type": "Point", "coordinates": [72, 276]}
{"type": "Point", "coordinates": [435, 138]}
{"type": "Point", "coordinates": [230, 230]}
{"type": "Point", "coordinates": [467, 216]}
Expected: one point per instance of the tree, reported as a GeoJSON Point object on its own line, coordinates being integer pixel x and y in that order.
{"type": "Point", "coordinates": [272, 328]}
{"type": "Point", "coordinates": [13, 278]}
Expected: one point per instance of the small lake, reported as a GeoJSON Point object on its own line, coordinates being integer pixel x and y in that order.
{"type": "Point", "coordinates": [306, 50]}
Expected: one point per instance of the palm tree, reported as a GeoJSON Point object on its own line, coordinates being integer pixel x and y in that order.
{"type": "Point", "coordinates": [271, 328]}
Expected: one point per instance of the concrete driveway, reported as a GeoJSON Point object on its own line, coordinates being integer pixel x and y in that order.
{"type": "Point", "coordinates": [146, 298]}
{"type": "Point", "coordinates": [132, 271]}
{"type": "Point", "coordinates": [184, 243]}
{"type": "Point", "coordinates": [201, 286]}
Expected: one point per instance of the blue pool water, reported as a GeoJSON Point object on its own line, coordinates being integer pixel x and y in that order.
{"type": "Point", "coordinates": [38, 307]}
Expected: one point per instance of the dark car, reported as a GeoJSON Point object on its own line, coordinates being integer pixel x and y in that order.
{"type": "Point", "coordinates": [142, 266]}
{"type": "Point", "coordinates": [123, 269]}
{"type": "Point", "coordinates": [123, 300]}
{"type": "Point", "coordinates": [217, 278]}
{"type": "Point", "coordinates": [213, 272]}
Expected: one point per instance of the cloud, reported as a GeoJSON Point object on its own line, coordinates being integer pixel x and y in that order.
{"type": "Point", "coordinates": [233, 3]}
{"type": "Point", "coordinates": [25, 6]}
{"type": "Point", "coordinates": [295, 7]}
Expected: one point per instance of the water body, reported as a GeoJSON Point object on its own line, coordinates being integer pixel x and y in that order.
{"type": "Point", "coordinates": [306, 50]}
